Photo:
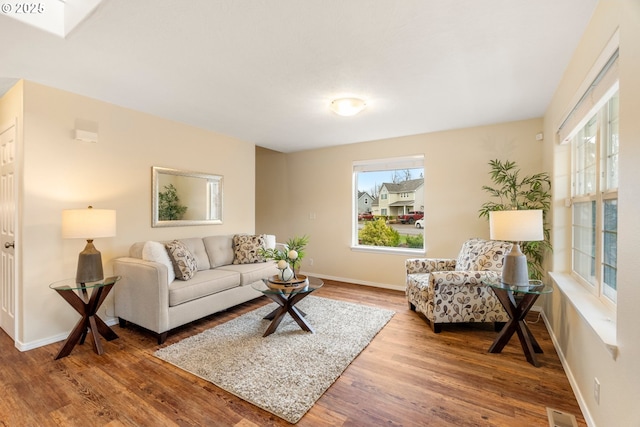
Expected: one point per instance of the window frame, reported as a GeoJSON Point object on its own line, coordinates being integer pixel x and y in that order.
{"type": "Point", "coordinates": [382, 164]}
{"type": "Point", "coordinates": [598, 195]}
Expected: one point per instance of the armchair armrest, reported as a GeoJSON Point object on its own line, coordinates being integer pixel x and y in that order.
{"type": "Point", "coordinates": [462, 278]}
{"type": "Point", "coordinates": [428, 265]}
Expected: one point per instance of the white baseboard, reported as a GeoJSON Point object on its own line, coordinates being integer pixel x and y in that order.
{"type": "Point", "coordinates": [572, 381]}
{"type": "Point", "coordinates": [394, 287]}
{"type": "Point", "coordinates": [53, 339]}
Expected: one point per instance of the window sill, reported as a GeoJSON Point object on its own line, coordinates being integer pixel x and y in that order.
{"type": "Point", "coordinates": [598, 316]}
{"type": "Point", "coordinates": [394, 251]}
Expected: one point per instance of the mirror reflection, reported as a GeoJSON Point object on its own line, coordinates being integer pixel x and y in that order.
{"type": "Point", "coordinates": [185, 198]}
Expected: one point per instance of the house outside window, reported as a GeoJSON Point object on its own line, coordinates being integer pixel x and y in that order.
{"type": "Point", "coordinates": [396, 186]}
{"type": "Point", "coordinates": [364, 202]}
{"type": "Point", "coordinates": [594, 142]}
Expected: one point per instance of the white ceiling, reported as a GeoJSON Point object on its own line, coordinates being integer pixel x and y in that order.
{"type": "Point", "coordinates": [265, 71]}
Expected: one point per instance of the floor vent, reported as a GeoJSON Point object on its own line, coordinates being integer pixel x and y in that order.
{"type": "Point", "coordinates": [561, 419]}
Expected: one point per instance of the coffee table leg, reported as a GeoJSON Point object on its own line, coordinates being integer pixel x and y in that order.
{"type": "Point", "coordinates": [278, 299]}
{"type": "Point", "coordinates": [276, 321]}
{"type": "Point", "coordinates": [286, 305]}
{"type": "Point", "coordinates": [300, 320]}
{"type": "Point", "coordinates": [271, 315]}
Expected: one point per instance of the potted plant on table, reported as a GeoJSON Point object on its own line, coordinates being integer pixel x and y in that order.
{"type": "Point", "coordinates": [289, 258]}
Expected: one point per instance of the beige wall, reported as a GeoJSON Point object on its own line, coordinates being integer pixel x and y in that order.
{"type": "Point", "coordinates": [295, 187]}
{"type": "Point", "coordinates": [585, 354]}
{"type": "Point", "coordinates": [114, 173]}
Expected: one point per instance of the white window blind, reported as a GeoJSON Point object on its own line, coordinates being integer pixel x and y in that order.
{"type": "Point", "coordinates": [596, 95]}
{"type": "Point", "coordinates": [389, 164]}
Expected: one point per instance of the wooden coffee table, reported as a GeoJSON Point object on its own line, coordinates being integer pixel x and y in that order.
{"type": "Point", "coordinates": [286, 300]}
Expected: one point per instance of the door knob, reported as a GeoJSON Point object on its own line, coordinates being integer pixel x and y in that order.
{"type": "Point", "coordinates": [10, 245]}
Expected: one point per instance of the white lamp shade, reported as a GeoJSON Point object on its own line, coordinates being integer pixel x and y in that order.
{"type": "Point", "coordinates": [516, 225]}
{"type": "Point", "coordinates": [88, 223]}
{"type": "Point", "coordinates": [347, 106]}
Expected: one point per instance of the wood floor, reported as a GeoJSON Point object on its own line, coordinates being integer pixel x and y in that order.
{"type": "Point", "coordinates": [407, 376]}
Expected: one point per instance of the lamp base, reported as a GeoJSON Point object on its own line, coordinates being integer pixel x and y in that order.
{"type": "Point", "coordinates": [514, 270]}
{"type": "Point", "coordinates": [89, 265]}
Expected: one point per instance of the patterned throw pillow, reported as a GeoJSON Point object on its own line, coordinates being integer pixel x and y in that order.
{"type": "Point", "coordinates": [246, 249]}
{"type": "Point", "coordinates": [184, 263]}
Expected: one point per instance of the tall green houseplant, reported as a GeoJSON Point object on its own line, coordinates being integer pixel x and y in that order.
{"type": "Point", "coordinates": [511, 191]}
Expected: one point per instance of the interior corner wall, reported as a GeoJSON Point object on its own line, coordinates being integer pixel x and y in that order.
{"type": "Point", "coordinates": [60, 172]}
{"type": "Point", "coordinates": [317, 186]}
{"type": "Point", "coordinates": [272, 194]}
{"type": "Point", "coordinates": [586, 357]}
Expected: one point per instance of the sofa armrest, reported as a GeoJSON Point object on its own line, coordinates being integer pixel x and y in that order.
{"type": "Point", "coordinates": [142, 293]}
{"type": "Point", "coordinates": [427, 265]}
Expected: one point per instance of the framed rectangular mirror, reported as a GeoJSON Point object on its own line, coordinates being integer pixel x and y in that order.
{"type": "Point", "coordinates": [182, 198]}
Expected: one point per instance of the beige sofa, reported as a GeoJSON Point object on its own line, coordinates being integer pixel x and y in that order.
{"type": "Point", "coordinates": [148, 295]}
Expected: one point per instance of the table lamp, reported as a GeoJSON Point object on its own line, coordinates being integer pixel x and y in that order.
{"type": "Point", "coordinates": [88, 224]}
{"type": "Point", "coordinates": [516, 226]}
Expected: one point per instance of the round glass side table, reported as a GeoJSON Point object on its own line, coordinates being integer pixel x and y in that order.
{"type": "Point", "coordinates": [517, 301]}
{"type": "Point", "coordinates": [77, 295]}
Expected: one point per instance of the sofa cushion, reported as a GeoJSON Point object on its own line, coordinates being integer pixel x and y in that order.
{"type": "Point", "coordinates": [246, 248]}
{"type": "Point", "coordinates": [196, 247]}
{"type": "Point", "coordinates": [219, 249]}
{"type": "Point", "coordinates": [250, 273]}
{"type": "Point", "coordinates": [184, 263]}
{"type": "Point", "coordinates": [482, 255]}
{"type": "Point", "coordinates": [202, 284]}
{"type": "Point", "coordinates": [157, 252]}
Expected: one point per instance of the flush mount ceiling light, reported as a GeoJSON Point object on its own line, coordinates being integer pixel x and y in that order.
{"type": "Point", "coordinates": [347, 106]}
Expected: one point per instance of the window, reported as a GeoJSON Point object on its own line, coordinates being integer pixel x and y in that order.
{"type": "Point", "coordinates": [396, 186]}
{"type": "Point", "coordinates": [595, 199]}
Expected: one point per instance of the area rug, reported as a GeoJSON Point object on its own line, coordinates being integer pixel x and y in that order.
{"type": "Point", "coordinates": [287, 371]}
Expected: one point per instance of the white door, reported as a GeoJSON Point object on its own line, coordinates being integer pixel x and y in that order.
{"type": "Point", "coordinates": [7, 230]}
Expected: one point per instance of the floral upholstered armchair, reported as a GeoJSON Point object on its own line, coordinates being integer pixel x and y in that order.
{"type": "Point", "coordinates": [451, 290]}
